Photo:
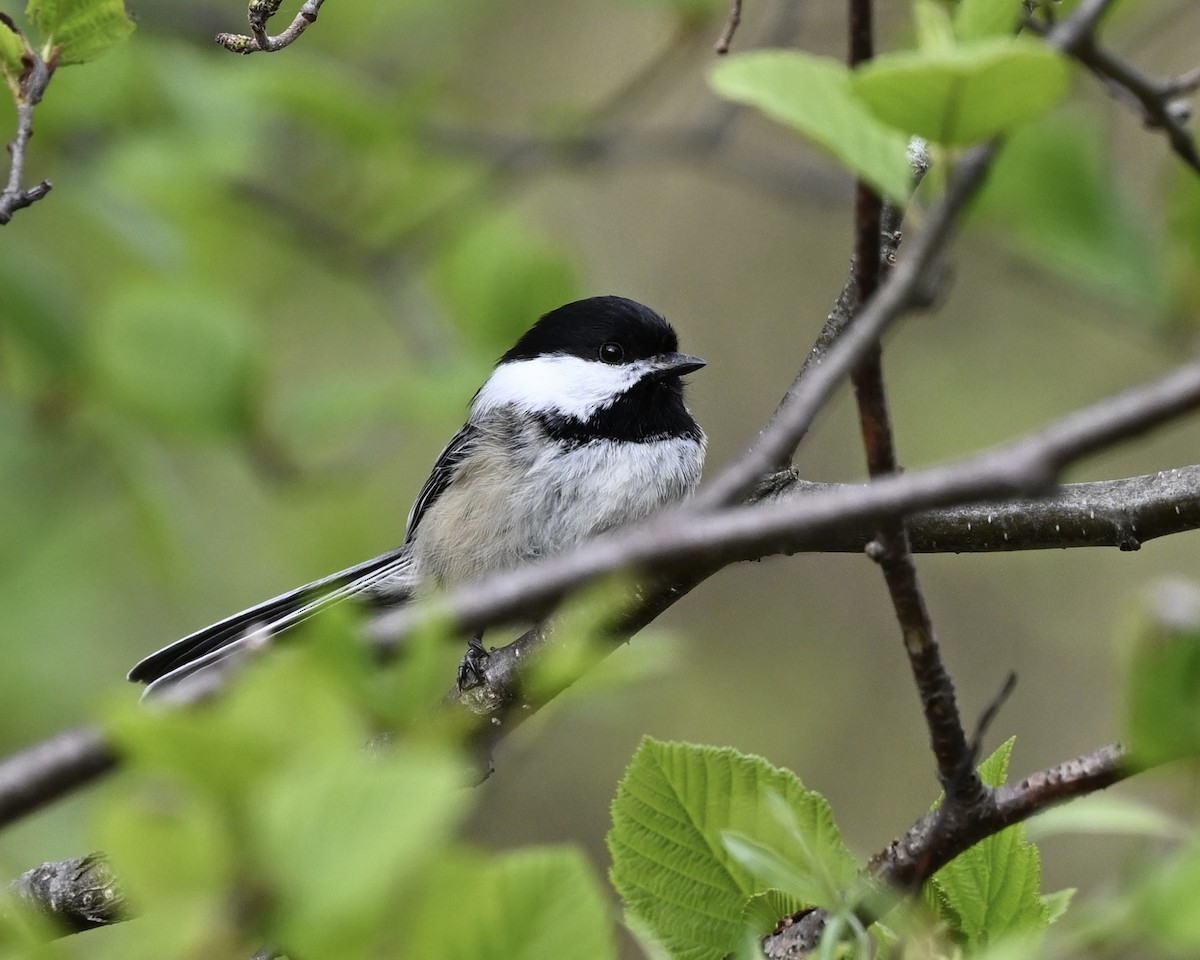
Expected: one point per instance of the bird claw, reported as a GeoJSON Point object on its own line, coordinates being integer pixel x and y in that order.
{"type": "Point", "coordinates": [470, 669]}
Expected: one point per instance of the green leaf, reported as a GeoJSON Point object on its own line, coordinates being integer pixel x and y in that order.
{"type": "Point", "coordinates": [984, 19]}
{"type": "Point", "coordinates": [1164, 904]}
{"type": "Point", "coordinates": [1053, 191]}
{"type": "Point", "coordinates": [814, 96]}
{"type": "Point", "coordinates": [764, 910]}
{"type": "Point", "coordinates": [1182, 207]}
{"type": "Point", "coordinates": [1056, 904]}
{"type": "Point", "coordinates": [175, 859]}
{"type": "Point", "coordinates": [961, 95]}
{"type": "Point", "coordinates": [678, 880]}
{"type": "Point", "coordinates": [335, 840]}
{"type": "Point", "coordinates": [12, 50]}
{"type": "Point", "coordinates": [994, 770]}
{"type": "Point", "coordinates": [79, 30]}
{"type": "Point", "coordinates": [993, 890]}
{"type": "Point", "coordinates": [1107, 815]}
{"type": "Point", "coordinates": [529, 905]}
{"type": "Point", "coordinates": [186, 363]}
{"type": "Point", "coordinates": [934, 29]}
{"type": "Point", "coordinates": [1164, 676]}
{"type": "Point", "coordinates": [498, 278]}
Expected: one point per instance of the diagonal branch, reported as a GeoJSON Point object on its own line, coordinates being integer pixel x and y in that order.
{"type": "Point", "coordinates": [683, 539]}
{"type": "Point", "coordinates": [1158, 100]}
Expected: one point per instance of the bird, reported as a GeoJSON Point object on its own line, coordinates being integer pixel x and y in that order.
{"type": "Point", "coordinates": [580, 429]}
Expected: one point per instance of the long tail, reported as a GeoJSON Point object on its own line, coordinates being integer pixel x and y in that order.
{"type": "Point", "coordinates": [227, 637]}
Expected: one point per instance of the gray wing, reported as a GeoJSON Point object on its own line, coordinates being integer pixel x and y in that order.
{"type": "Point", "coordinates": [440, 476]}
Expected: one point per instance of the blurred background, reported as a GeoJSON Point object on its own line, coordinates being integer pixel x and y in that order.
{"type": "Point", "coordinates": [235, 336]}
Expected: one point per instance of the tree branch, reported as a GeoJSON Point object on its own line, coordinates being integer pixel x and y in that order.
{"type": "Point", "coordinates": [258, 13]}
{"type": "Point", "coordinates": [51, 769]}
{"type": "Point", "coordinates": [683, 539]}
{"type": "Point", "coordinates": [74, 895]}
{"type": "Point", "coordinates": [936, 839]}
{"type": "Point", "coordinates": [1157, 100]}
{"type": "Point", "coordinates": [31, 89]}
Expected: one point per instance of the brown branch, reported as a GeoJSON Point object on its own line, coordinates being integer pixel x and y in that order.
{"type": "Point", "coordinates": [936, 839]}
{"type": "Point", "coordinates": [259, 12]}
{"type": "Point", "coordinates": [684, 539]}
{"type": "Point", "coordinates": [890, 548]}
{"type": "Point", "coordinates": [32, 88]}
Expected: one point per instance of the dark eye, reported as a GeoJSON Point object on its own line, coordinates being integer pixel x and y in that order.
{"type": "Point", "coordinates": [612, 352]}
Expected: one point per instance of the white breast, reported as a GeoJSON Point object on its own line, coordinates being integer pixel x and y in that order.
{"type": "Point", "coordinates": [507, 507]}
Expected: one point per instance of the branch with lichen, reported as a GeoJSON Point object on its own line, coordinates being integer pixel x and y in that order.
{"type": "Point", "coordinates": [259, 13]}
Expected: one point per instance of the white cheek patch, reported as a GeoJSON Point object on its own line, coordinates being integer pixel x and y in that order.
{"type": "Point", "coordinates": [564, 385]}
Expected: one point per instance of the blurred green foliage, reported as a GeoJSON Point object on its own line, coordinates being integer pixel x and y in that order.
{"type": "Point", "coordinates": [249, 275]}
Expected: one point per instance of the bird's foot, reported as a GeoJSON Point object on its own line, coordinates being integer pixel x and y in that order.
{"type": "Point", "coordinates": [470, 669]}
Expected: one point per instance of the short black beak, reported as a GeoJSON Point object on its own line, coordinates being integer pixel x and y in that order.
{"type": "Point", "coordinates": [667, 365]}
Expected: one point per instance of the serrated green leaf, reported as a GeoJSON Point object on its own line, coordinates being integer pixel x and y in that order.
{"type": "Point", "coordinates": [964, 94]}
{"type": "Point", "coordinates": [763, 910]}
{"type": "Point", "coordinates": [528, 905]}
{"type": "Point", "coordinates": [1052, 190]}
{"type": "Point", "coordinates": [814, 96]}
{"type": "Point", "coordinates": [993, 889]}
{"type": "Point", "coordinates": [994, 770]}
{"type": "Point", "coordinates": [983, 19]}
{"type": "Point", "coordinates": [1057, 903]}
{"type": "Point", "coordinates": [12, 49]}
{"type": "Point", "coordinates": [79, 30]}
{"type": "Point", "coordinates": [676, 878]}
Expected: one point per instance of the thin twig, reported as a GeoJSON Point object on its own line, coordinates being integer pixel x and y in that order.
{"type": "Point", "coordinates": [32, 88]}
{"type": "Point", "coordinates": [260, 11]}
{"type": "Point", "coordinates": [731, 24]}
{"type": "Point", "coordinates": [1157, 100]}
{"type": "Point", "coordinates": [778, 440]}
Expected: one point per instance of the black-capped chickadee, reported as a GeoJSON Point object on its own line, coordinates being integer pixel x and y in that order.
{"type": "Point", "coordinates": [580, 428]}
